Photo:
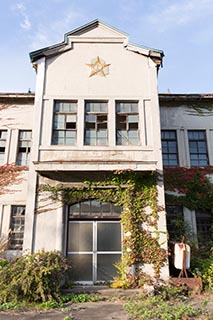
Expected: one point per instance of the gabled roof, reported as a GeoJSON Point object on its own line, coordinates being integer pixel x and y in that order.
{"type": "Point", "coordinates": [84, 32]}
{"type": "Point", "coordinates": [91, 25]}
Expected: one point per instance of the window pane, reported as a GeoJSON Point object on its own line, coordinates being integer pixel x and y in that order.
{"type": "Point", "coordinates": [81, 265]}
{"type": "Point", "coordinates": [133, 118]}
{"type": "Point", "coordinates": [106, 269]}
{"type": "Point", "coordinates": [109, 237]}
{"type": "Point", "coordinates": [80, 237]}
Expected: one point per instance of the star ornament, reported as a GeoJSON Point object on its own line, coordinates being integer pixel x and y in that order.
{"type": "Point", "coordinates": [98, 66]}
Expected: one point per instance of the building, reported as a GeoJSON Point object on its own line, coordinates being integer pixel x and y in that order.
{"type": "Point", "coordinates": [95, 111]}
{"type": "Point", "coordinates": [187, 142]}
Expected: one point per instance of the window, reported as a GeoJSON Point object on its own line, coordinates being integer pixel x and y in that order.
{"type": "Point", "coordinates": [175, 222]}
{"type": "Point", "coordinates": [169, 148]}
{"type": "Point", "coordinates": [198, 148]}
{"type": "Point", "coordinates": [204, 223]}
{"type": "Point", "coordinates": [93, 208]}
{"type": "Point", "coordinates": [3, 139]}
{"type": "Point", "coordinates": [64, 123]}
{"type": "Point", "coordinates": [94, 240]}
{"type": "Point", "coordinates": [17, 227]}
{"type": "Point", "coordinates": [127, 132]}
{"type": "Point", "coordinates": [24, 147]}
{"type": "Point", "coordinates": [96, 124]}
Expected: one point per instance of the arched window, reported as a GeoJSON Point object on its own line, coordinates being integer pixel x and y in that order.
{"type": "Point", "coordinates": [94, 209]}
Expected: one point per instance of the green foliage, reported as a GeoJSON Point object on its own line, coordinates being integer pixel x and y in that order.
{"type": "Point", "coordinates": [3, 263]}
{"type": "Point", "coordinates": [68, 318]}
{"type": "Point", "coordinates": [33, 278]}
{"type": "Point", "coordinates": [80, 298]}
{"type": "Point", "coordinates": [51, 304]}
{"type": "Point", "coordinates": [129, 280]}
{"type": "Point", "coordinates": [204, 269]}
{"type": "Point", "coordinates": [167, 305]}
{"type": "Point", "coordinates": [135, 192]}
{"type": "Point", "coordinates": [8, 306]}
{"type": "Point", "coordinates": [207, 277]}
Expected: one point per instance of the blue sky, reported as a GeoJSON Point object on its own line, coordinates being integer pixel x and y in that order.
{"type": "Point", "coordinates": [183, 29]}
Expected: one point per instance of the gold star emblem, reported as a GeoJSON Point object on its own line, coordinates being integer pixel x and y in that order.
{"type": "Point", "coordinates": [98, 66]}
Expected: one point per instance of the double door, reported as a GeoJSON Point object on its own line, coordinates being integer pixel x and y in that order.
{"type": "Point", "coordinates": [93, 249]}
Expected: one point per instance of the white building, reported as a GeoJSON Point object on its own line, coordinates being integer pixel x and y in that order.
{"type": "Point", "coordinates": [95, 111]}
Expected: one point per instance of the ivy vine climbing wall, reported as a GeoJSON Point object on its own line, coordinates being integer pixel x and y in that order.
{"type": "Point", "coordinates": [137, 194]}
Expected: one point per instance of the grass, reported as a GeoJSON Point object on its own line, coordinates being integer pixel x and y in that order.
{"type": "Point", "coordinates": [70, 297]}
{"type": "Point", "coordinates": [170, 303]}
{"type": "Point", "coordinates": [156, 308]}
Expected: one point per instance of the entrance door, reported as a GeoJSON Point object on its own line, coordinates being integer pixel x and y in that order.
{"type": "Point", "coordinates": [93, 249]}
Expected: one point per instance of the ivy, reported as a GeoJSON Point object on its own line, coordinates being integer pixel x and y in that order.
{"type": "Point", "coordinates": [135, 192]}
{"type": "Point", "coordinates": [10, 174]}
{"type": "Point", "coordinates": [192, 187]}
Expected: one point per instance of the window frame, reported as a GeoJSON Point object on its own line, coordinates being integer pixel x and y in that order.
{"type": "Point", "coordinates": [128, 127]}
{"type": "Point", "coordinates": [170, 154]}
{"type": "Point", "coordinates": [203, 225]}
{"type": "Point", "coordinates": [93, 208]}
{"type": "Point", "coordinates": [3, 142]}
{"type": "Point", "coordinates": [96, 132]}
{"type": "Point", "coordinates": [198, 155]}
{"type": "Point", "coordinates": [17, 219]}
{"type": "Point", "coordinates": [59, 110]}
{"type": "Point", "coordinates": [25, 161]}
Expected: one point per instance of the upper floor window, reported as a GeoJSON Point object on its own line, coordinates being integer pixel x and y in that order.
{"type": "Point", "coordinates": [127, 120]}
{"type": "Point", "coordinates": [198, 148]}
{"type": "Point", "coordinates": [24, 148]}
{"type": "Point", "coordinates": [17, 227]}
{"type": "Point", "coordinates": [96, 123]}
{"type": "Point", "coordinates": [169, 148]}
{"type": "Point", "coordinates": [3, 139]}
{"type": "Point", "coordinates": [64, 123]}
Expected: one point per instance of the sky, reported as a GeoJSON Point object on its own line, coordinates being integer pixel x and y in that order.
{"type": "Point", "coordinates": [183, 29]}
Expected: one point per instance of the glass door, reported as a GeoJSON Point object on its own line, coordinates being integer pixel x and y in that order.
{"type": "Point", "coordinates": [93, 249]}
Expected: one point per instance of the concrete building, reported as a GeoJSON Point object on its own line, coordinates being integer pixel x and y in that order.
{"type": "Point", "coordinates": [95, 110]}
{"type": "Point", "coordinates": [187, 141]}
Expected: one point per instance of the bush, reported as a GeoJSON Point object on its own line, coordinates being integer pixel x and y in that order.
{"type": "Point", "coordinates": [33, 278]}
{"type": "Point", "coordinates": [3, 263]}
{"type": "Point", "coordinates": [204, 269]}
